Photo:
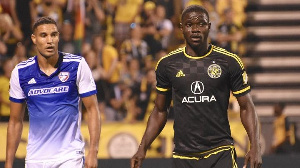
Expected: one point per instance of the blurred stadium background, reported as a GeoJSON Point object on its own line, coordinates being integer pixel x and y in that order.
{"type": "Point", "coordinates": [269, 47]}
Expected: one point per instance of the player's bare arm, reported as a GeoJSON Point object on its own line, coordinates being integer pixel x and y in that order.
{"type": "Point", "coordinates": [94, 127]}
{"type": "Point", "coordinates": [251, 124]}
{"type": "Point", "coordinates": [156, 123]}
{"type": "Point", "coordinates": [14, 131]}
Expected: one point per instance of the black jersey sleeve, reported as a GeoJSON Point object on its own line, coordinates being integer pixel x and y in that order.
{"type": "Point", "coordinates": [163, 84]}
{"type": "Point", "coordinates": [238, 77]}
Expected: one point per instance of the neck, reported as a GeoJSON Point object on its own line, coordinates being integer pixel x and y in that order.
{"type": "Point", "coordinates": [48, 64]}
{"type": "Point", "coordinates": [197, 51]}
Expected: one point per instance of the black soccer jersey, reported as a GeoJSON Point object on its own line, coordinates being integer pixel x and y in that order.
{"type": "Point", "coordinates": [200, 89]}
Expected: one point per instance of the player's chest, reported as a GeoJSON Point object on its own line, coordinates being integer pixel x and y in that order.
{"type": "Point", "coordinates": [210, 72]}
{"type": "Point", "coordinates": [61, 83]}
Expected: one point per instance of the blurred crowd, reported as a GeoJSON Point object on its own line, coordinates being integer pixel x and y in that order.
{"type": "Point", "coordinates": [121, 41]}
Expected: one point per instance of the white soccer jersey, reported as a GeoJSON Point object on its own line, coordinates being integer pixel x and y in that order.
{"type": "Point", "coordinates": [54, 106]}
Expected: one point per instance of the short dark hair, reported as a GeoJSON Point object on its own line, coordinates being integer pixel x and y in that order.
{"type": "Point", "coordinates": [194, 8]}
{"type": "Point", "coordinates": [43, 20]}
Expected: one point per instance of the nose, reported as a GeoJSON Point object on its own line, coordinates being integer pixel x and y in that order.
{"type": "Point", "coordinates": [49, 39]}
{"type": "Point", "coordinates": [195, 28]}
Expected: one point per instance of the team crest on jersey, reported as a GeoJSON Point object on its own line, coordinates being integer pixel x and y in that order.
{"type": "Point", "coordinates": [63, 76]}
{"type": "Point", "coordinates": [214, 71]}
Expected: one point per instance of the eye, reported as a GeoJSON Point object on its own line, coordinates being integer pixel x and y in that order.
{"type": "Point", "coordinates": [202, 24]}
{"type": "Point", "coordinates": [54, 34]}
{"type": "Point", "coordinates": [188, 25]}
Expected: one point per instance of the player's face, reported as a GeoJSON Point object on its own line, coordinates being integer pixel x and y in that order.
{"type": "Point", "coordinates": [195, 28]}
{"type": "Point", "coordinates": [46, 38]}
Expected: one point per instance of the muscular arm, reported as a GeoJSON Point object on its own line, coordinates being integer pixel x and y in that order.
{"type": "Point", "coordinates": [14, 131]}
{"type": "Point", "coordinates": [156, 123]}
{"type": "Point", "coordinates": [94, 127]}
{"type": "Point", "coordinates": [250, 122]}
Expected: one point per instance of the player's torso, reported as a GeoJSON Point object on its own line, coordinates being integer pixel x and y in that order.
{"type": "Point", "coordinates": [200, 92]}
{"type": "Point", "coordinates": [45, 93]}
{"type": "Point", "coordinates": [53, 105]}
{"type": "Point", "coordinates": [199, 79]}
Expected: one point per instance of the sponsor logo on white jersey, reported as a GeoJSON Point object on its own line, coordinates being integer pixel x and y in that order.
{"type": "Point", "coordinates": [197, 88]}
{"type": "Point", "coordinates": [52, 90]}
{"type": "Point", "coordinates": [32, 81]}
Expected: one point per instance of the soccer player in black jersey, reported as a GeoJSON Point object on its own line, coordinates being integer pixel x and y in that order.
{"type": "Point", "coordinates": [199, 78]}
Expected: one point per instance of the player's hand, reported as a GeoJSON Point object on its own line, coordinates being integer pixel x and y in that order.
{"type": "Point", "coordinates": [91, 160]}
{"type": "Point", "coordinates": [136, 160]}
{"type": "Point", "coordinates": [253, 157]}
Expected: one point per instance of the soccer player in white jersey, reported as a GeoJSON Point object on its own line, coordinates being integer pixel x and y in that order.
{"type": "Point", "coordinates": [53, 85]}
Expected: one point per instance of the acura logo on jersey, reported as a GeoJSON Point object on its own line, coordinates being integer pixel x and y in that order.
{"type": "Point", "coordinates": [197, 87]}
{"type": "Point", "coordinates": [63, 76]}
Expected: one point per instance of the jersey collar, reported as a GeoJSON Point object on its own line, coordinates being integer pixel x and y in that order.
{"type": "Point", "coordinates": [193, 57]}
{"type": "Point", "coordinates": [60, 59]}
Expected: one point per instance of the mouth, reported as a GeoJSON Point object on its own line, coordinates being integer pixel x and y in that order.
{"type": "Point", "coordinates": [196, 38]}
{"type": "Point", "coordinates": [50, 48]}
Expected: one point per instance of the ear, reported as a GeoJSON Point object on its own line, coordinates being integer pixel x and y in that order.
{"type": "Point", "coordinates": [180, 26]}
{"type": "Point", "coordinates": [209, 25]}
{"type": "Point", "coordinates": [33, 38]}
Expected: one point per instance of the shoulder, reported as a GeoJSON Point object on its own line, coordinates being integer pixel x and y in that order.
{"type": "Point", "coordinates": [24, 68]}
{"type": "Point", "coordinates": [26, 63]}
{"type": "Point", "coordinates": [231, 57]}
{"type": "Point", "coordinates": [67, 57]}
{"type": "Point", "coordinates": [171, 56]}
